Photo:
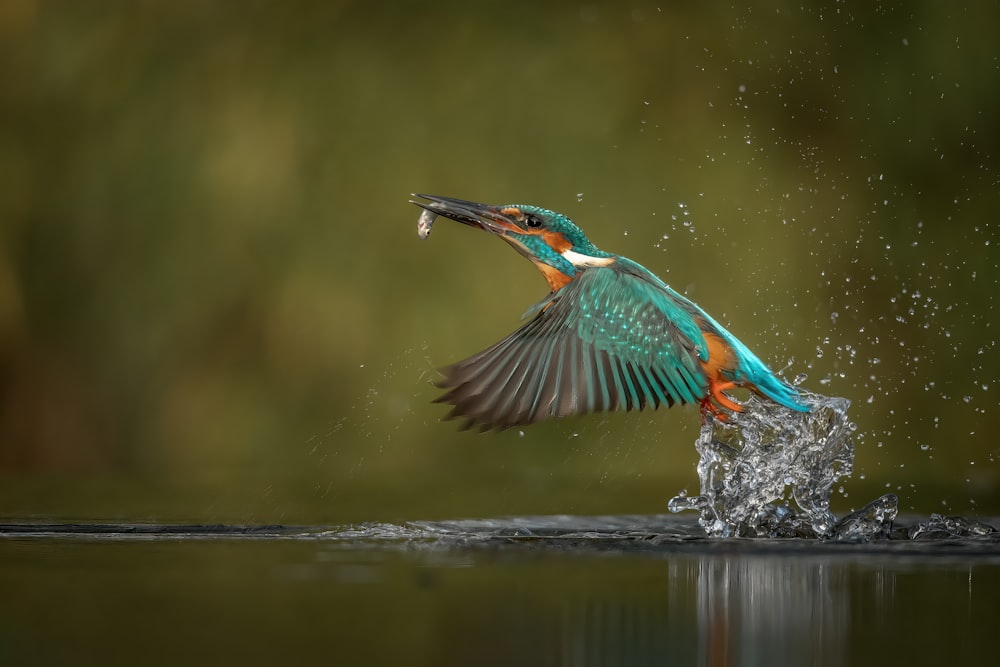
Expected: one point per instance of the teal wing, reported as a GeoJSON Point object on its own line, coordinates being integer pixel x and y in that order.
{"type": "Point", "coordinates": [608, 340]}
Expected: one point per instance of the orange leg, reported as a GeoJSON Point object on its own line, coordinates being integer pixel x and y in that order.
{"type": "Point", "coordinates": [715, 403]}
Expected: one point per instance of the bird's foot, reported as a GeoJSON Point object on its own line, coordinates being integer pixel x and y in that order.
{"type": "Point", "coordinates": [716, 403]}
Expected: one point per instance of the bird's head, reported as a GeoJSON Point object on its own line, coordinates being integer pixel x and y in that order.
{"type": "Point", "coordinates": [550, 240]}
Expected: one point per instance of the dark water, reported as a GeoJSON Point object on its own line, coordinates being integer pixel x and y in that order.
{"type": "Point", "coordinates": [626, 590]}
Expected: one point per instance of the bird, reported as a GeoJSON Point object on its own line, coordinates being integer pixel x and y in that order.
{"type": "Point", "coordinates": [609, 335]}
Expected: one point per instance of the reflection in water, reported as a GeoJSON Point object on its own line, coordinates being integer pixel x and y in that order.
{"type": "Point", "coordinates": [767, 611]}
{"type": "Point", "coordinates": [706, 611]}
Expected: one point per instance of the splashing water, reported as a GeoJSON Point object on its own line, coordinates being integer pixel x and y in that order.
{"type": "Point", "coordinates": [754, 466]}
{"type": "Point", "coordinates": [939, 526]}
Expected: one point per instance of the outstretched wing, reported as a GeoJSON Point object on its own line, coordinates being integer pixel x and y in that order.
{"type": "Point", "coordinates": [609, 340]}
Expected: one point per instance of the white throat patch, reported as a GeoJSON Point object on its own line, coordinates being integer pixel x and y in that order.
{"type": "Point", "coordinates": [579, 259]}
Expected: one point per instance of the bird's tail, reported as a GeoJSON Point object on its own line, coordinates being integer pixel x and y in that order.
{"type": "Point", "coordinates": [753, 373]}
{"type": "Point", "coordinates": [768, 384]}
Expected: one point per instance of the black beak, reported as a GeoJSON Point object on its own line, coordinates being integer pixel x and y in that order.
{"type": "Point", "coordinates": [488, 218]}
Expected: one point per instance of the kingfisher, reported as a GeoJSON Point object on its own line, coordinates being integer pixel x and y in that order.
{"type": "Point", "coordinates": [609, 335]}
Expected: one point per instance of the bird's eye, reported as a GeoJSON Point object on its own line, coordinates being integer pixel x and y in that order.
{"type": "Point", "coordinates": [532, 220]}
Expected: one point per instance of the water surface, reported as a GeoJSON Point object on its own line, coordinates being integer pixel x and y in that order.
{"type": "Point", "coordinates": [627, 590]}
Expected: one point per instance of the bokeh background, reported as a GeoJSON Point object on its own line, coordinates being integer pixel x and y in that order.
{"type": "Point", "coordinates": [214, 305]}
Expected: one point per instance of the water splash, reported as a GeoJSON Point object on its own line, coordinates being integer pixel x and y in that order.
{"type": "Point", "coordinates": [769, 472]}
{"type": "Point", "coordinates": [871, 522]}
{"type": "Point", "coordinates": [939, 526]}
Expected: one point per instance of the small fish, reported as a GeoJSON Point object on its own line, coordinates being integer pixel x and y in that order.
{"type": "Point", "coordinates": [425, 222]}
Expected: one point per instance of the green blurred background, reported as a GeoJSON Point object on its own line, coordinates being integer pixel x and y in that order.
{"type": "Point", "coordinates": [214, 305]}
